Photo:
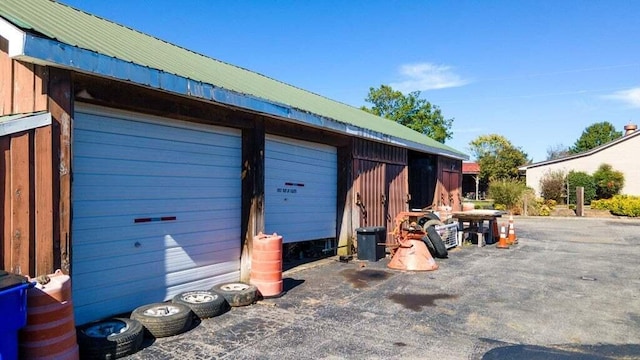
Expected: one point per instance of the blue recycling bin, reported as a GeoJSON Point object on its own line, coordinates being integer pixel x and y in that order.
{"type": "Point", "coordinates": [13, 312]}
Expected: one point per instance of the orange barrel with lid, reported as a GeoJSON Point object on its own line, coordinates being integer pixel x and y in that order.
{"type": "Point", "coordinates": [266, 264]}
{"type": "Point", "coordinates": [50, 332]}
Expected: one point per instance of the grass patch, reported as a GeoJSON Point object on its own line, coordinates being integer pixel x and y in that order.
{"type": "Point", "coordinates": [482, 204]}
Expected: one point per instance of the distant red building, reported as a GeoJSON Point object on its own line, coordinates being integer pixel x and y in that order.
{"type": "Point", "coordinates": [472, 187]}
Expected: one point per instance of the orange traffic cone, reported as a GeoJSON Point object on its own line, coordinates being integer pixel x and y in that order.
{"type": "Point", "coordinates": [502, 243]}
{"type": "Point", "coordinates": [512, 239]}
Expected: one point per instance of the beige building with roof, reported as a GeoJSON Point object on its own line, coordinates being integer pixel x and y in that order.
{"type": "Point", "coordinates": [621, 154]}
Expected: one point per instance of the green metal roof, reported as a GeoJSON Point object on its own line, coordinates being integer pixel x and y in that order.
{"type": "Point", "coordinates": [85, 31]}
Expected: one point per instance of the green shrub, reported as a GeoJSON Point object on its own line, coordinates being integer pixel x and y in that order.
{"type": "Point", "coordinates": [507, 192]}
{"type": "Point", "coordinates": [581, 179]}
{"type": "Point", "coordinates": [552, 185]}
{"type": "Point", "coordinates": [539, 206]}
{"type": "Point", "coordinates": [608, 182]}
{"type": "Point", "coordinates": [622, 205]}
{"type": "Point", "coordinates": [500, 207]}
{"type": "Point", "coordinates": [600, 204]}
{"type": "Point", "coordinates": [544, 210]}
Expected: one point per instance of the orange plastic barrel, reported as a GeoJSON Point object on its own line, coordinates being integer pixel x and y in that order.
{"type": "Point", "coordinates": [50, 332]}
{"type": "Point", "coordinates": [266, 264]}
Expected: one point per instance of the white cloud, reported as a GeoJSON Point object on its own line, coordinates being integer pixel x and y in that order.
{"type": "Point", "coordinates": [631, 96]}
{"type": "Point", "coordinates": [427, 76]}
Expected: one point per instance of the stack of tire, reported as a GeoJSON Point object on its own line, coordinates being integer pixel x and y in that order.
{"type": "Point", "coordinates": [118, 337]}
{"type": "Point", "coordinates": [432, 239]}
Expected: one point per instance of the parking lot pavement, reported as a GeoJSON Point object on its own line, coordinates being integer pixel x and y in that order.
{"type": "Point", "coordinates": [569, 290]}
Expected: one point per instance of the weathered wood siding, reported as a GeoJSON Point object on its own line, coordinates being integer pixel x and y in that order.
{"type": "Point", "coordinates": [30, 194]}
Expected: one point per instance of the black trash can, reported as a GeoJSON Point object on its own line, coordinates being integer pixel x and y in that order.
{"type": "Point", "coordinates": [368, 240]}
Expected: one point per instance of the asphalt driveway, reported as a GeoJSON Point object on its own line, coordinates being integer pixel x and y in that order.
{"type": "Point", "coordinates": [569, 290]}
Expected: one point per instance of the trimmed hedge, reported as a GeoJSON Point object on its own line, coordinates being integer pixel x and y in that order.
{"type": "Point", "coordinates": [623, 205]}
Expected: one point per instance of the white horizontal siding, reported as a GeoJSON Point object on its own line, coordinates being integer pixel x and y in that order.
{"type": "Point", "coordinates": [306, 208]}
{"type": "Point", "coordinates": [129, 167]}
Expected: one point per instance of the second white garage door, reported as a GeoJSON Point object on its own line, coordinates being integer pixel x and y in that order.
{"type": "Point", "coordinates": [300, 189]}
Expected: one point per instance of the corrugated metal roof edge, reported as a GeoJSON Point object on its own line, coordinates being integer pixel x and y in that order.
{"type": "Point", "coordinates": [52, 52]}
{"type": "Point", "coordinates": [582, 154]}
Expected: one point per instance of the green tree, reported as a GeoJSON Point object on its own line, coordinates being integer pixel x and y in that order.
{"type": "Point", "coordinates": [609, 182]}
{"type": "Point", "coordinates": [595, 135]}
{"type": "Point", "coordinates": [498, 157]}
{"type": "Point", "coordinates": [581, 179]}
{"type": "Point", "coordinates": [410, 111]}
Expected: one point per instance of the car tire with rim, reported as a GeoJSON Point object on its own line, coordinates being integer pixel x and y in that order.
{"type": "Point", "coordinates": [164, 319]}
{"type": "Point", "coordinates": [438, 244]}
{"type": "Point", "coordinates": [203, 303]}
{"type": "Point", "coordinates": [110, 339]}
{"type": "Point", "coordinates": [237, 293]}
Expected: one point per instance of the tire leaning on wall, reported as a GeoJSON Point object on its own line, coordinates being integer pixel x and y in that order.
{"type": "Point", "coordinates": [438, 244]}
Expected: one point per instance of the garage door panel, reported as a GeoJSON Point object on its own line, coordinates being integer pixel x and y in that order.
{"type": "Point", "coordinates": [97, 250]}
{"type": "Point", "coordinates": [305, 170]}
{"type": "Point", "coordinates": [150, 207]}
{"type": "Point", "coordinates": [281, 148]}
{"type": "Point", "coordinates": [170, 152]}
{"type": "Point", "coordinates": [134, 126]}
{"type": "Point", "coordinates": [117, 192]}
{"type": "Point", "coordinates": [102, 180]}
{"type": "Point", "coordinates": [118, 220]}
{"type": "Point", "coordinates": [133, 167]}
{"type": "Point", "coordinates": [197, 144]}
{"type": "Point", "coordinates": [168, 260]}
{"type": "Point", "coordinates": [160, 233]}
{"type": "Point", "coordinates": [159, 169]}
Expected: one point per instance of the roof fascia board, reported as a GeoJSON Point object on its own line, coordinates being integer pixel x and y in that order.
{"type": "Point", "coordinates": [28, 122]}
{"type": "Point", "coordinates": [54, 53]}
{"type": "Point", "coordinates": [14, 35]}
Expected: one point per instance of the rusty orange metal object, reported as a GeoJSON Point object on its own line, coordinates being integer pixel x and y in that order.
{"type": "Point", "coordinates": [411, 253]}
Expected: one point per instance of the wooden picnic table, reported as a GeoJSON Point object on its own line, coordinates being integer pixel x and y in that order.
{"type": "Point", "coordinates": [476, 219]}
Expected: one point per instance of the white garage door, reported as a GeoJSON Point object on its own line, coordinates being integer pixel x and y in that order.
{"type": "Point", "coordinates": [156, 210]}
{"type": "Point", "coordinates": [300, 189]}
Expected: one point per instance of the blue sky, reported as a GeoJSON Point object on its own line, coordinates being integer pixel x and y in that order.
{"type": "Point", "coordinates": [536, 72]}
